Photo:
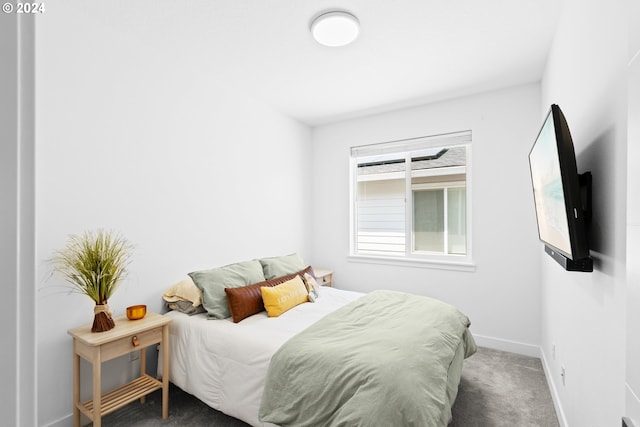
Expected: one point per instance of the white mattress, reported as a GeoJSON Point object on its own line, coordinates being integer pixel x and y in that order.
{"type": "Point", "coordinates": [224, 364]}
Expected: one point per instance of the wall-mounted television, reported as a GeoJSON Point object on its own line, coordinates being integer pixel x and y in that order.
{"type": "Point", "coordinates": [562, 196]}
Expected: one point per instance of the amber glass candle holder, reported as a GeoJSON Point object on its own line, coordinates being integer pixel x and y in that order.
{"type": "Point", "coordinates": [136, 312]}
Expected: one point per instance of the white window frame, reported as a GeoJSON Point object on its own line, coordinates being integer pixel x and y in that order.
{"type": "Point", "coordinates": [411, 258]}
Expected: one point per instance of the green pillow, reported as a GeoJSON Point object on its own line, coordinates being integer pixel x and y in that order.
{"type": "Point", "coordinates": [281, 265]}
{"type": "Point", "coordinates": [212, 283]}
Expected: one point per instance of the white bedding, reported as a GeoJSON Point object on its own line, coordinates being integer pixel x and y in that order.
{"type": "Point", "coordinates": [224, 364]}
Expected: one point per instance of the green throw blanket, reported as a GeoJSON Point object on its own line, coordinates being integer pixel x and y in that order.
{"type": "Point", "coordinates": [386, 359]}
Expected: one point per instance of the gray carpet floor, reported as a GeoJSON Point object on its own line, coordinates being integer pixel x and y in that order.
{"type": "Point", "coordinates": [496, 389]}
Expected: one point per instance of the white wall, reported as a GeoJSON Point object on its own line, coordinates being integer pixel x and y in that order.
{"type": "Point", "coordinates": [502, 295]}
{"type": "Point", "coordinates": [132, 135]}
{"type": "Point", "coordinates": [632, 389]}
{"type": "Point", "coordinates": [583, 315]}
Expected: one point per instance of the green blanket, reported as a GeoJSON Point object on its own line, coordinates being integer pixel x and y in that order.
{"type": "Point", "coordinates": [386, 359]}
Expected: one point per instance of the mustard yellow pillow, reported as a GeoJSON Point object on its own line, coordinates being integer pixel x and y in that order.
{"type": "Point", "coordinates": [278, 299]}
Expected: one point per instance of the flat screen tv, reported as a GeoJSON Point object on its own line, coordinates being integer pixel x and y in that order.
{"type": "Point", "coordinates": [562, 197]}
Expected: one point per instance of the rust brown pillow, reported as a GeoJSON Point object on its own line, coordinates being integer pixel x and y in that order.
{"type": "Point", "coordinates": [247, 300]}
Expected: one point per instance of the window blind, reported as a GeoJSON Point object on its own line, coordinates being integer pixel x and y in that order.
{"type": "Point", "coordinates": [412, 144]}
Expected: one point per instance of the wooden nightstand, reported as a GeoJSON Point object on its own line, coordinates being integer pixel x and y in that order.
{"type": "Point", "coordinates": [324, 277]}
{"type": "Point", "coordinates": [126, 337]}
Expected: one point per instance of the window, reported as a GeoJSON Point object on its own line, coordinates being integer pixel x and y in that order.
{"type": "Point", "coordinates": [410, 199]}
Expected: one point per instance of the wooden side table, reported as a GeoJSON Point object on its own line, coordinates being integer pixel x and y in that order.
{"type": "Point", "coordinates": [97, 347]}
{"type": "Point", "coordinates": [325, 277]}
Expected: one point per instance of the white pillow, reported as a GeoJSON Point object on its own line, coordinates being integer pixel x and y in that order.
{"type": "Point", "coordinates": [184, 290]}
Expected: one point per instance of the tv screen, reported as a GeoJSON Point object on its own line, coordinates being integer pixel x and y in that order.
{"type": "Point", "coordinates": [557, 189]}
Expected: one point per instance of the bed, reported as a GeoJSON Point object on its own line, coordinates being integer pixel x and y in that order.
{"type": "Point", "coordinates": [298, 369]}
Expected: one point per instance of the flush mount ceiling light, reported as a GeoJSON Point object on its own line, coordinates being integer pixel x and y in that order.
{"type": "Point", "coordinates": [335, 28]}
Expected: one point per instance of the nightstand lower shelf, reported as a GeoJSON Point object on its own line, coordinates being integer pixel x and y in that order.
{"type": "Point", "coordinates": [123, 395]}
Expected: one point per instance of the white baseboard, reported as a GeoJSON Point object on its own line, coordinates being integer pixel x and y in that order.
{"type": "Point", "coordinates": [65, 421]}
{"type": "Point", "coordinates": [632, 406]}
{"type": "Point", "coordinates": [562, 420]}
{"type": "Point", "coordinates": [506, 345]}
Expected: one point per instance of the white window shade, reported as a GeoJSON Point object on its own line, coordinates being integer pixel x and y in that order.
{"type": "Point", "coordinates": [384, 149]}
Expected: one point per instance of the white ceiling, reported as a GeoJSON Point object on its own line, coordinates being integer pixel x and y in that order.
{"type": "Point", "coordinates": [409, 51]}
